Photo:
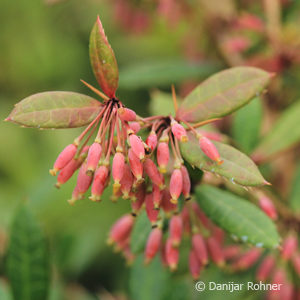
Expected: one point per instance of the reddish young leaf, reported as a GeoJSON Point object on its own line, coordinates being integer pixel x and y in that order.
{"type": "Point", "coordinates": [223, 93]}
{"type": "Point", "coordinates": [103, 60]}
{"type": "Point", "coordinates": [55, 110]}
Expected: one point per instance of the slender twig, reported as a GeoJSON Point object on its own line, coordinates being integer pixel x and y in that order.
{"type": "Point", "coordinates": [96, 91]}
{"type": "Point", "coordinates": [174, 98]}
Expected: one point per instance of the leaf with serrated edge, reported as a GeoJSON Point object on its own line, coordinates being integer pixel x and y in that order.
{"type": "Point", "coordinates": [140, 233]}
{"type": "Point", "coordinates": [103, 61]}
{"type": "Point", "coordinates": [222, 94]}
{"type": "Point", "coordinates": [55, 110]}
{"type": "Point", "coordinates": [237, 216]}
{"type": "Point", "coordinates": [236, 166]}
{"type": "Point", "coordinates": [28, 258]}
{"type": "Point", "coordinates": [284, 134]}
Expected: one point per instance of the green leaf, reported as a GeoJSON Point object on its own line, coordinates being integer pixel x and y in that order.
{"type": "Point", "coordinates": [28, 258]}
{"type": "Point", "coordinates": [237, 216]}
{"type": "Point", "coordinates": [164, 73]}
{"type": "Point", "coordinates": [140, 233]}
{"type": "Point", "coordinates": [246, 125]}
{"type": "Point", "coordinates": [103, 60]}
{"type": "Point", "coordinates": [237, 167]}
{"type": "Point", "coordinates": [223, 93]}
{"type": "Point", "coordinates": [148, 282]}
{"type": "Point", "coordinates": [4, 291]}
{"type": "Point", "coordinates": [161, 104]}
{"type": "Point", "coordinates": [294, 199]}
{"type": "Point", "coordinates": [55, 110]}
{"type": "Point", "coordinates": [284, 134]}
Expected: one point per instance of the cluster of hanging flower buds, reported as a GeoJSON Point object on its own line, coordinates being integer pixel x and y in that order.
{"type": "Point", "coordinates": [272, 267]}
{"type": "Point", "coordinates": [206, 239]}
{"type": "Point", "coordinates": [136, 165]}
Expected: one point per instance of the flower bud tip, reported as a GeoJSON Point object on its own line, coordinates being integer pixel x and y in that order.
{"type": "Point", "coordinates": [267, 182]}
{"type": "Point", "coordinates": [219, 161]}
{"type": "Point", "coordinates": [57, 185]}
{"type": "Point", "coordinates": [53, 171]}
{"type": "Point", "coordinates": [162, 169]}
{"type": "Point", "coordinates": [174, 201]}
{"type": "Point", "coordinates": [184, 139]}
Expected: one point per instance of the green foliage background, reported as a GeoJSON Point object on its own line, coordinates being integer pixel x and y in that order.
{"type": "Point", "coordinates": [44, 47]}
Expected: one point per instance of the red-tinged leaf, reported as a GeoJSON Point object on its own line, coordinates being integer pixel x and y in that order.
{"type": "Point", "coordinates": [103, 60]}
{"type": "Point", "coordinates": [55, 110]}
{"type": "Point", "coordinates": [223, 93]}
{"type": "Point", "coordinates": [236, 166]}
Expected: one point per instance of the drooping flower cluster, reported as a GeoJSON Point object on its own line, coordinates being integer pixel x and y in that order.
{"type": "Point", "coordinates": [206, 239]}
{"type": "Point", "coordinates": [118, 151]}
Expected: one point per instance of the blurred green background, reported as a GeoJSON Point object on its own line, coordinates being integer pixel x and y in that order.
{"type": "Point", "coordinates": [44, 46]}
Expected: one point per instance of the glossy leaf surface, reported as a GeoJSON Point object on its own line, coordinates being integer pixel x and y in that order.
{"type": "Point", "coordinates": [237, 167]}
{"type": "Point", "coordinates": [55, 110]}
{"type": "Point", "coordinates": [28, 258]}
{"type": "Point", "coordinates": [103, 61]}
{"type": "Point", "coordinates": [223, 93]}
{"type": "Point", "coordinates": [237, 216]}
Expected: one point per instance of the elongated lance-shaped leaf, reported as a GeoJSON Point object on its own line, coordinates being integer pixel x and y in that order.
{"type": "Point", "coordinates": [294, 199]}
{"type": "Point", "coordinates": [236, 166]}
{"type": "Point", "coordinates": [103, 61]}
{"type": "Point", "coordinates": [223, 93]}
{"type": "Point", "coordinates": [140, 233]}
{"type": "Point", "coordinates": [28, 258]}
{"type": "Point", "coordinates": [284, 134]}
{"type": "Point", "coordinates": [237, 216]}
{"type": "Point", "coordinates": [55, 110]}
{"type": "Point", "coordinates": [148, 283]}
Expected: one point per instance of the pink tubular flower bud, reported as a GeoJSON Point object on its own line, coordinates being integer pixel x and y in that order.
{"type": "Point", "coordinates": [151, 212]}
{"type": "Point", "coordinates": [135, 126]}
{"type": "Point", "coordinates": [75, 196]}
{"type": "Point", "coordinates": [99, 183]}
{"type": "Point", "coordinates": [137, 146]}
{"type": "Point", "coordinates": [151, 140]}
{"type": "Point", "coordinates": [166, 203]}
{"type": "Point", "coordinates": [186, 182]}
{"type": "Point", "coordinates": [157, 196]}
{"type": "Point", "coordinates": [121, 229]}
{"type": "Point", "coordinates": [139, 198]}
{"type": "Point", "coordinates": [186, 220]}
{"type": "Point", "coordinates": [63, 158]}
{"type": "Point", "coordinates": [153, 244]}
{"type": "Point", "coordinates": [162, 156]}
{"type": "Point", "coordinates": [194, 265]}
{"type": "Point", "coordinates": [175, 230]}
{"type": "Point", "coordinates": [126, 114]}
{"type": "Point", "coordinates": [83, 180]}
{"type": "Point", "coordinates": [175, 185]}
{"type": "Point", "coordinates": [231, 251]}
{"type": "Point", "coordinates": [209, 149]}
{"type": "Point", "coordinates": [200, 248]}
{"type": "Point", "coordinates": [126, 181]}
{"type": "Point", "coordinates": [172, 255]}
{"type": "Point", "coordinates": [289, 247]}
{"type": "Point", "coordinates": [296, 263]}
{"type": "Point", "coordinates": [93, 157]}
{"type": "Point", "coordinates": [215, 251]}
{"type": "Point", "coordinates": [265, 268]}
{"type": "Point", "coordinates": [118, 167]}
{"type": "Point", "coordinates": [247, 260]}
{"type": "Point", "coordinates": [267, 207]}
{"type": "Point", "coordinates": [179, 132]}
{"type": "Point", "coordinates": [200, 214]}
{"type": "Point", "coordinates": [152, 171]}
{"type": "Point", "coordinates": [66, 173]}
{"type": "Point", "coordinates": [135, 165]}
